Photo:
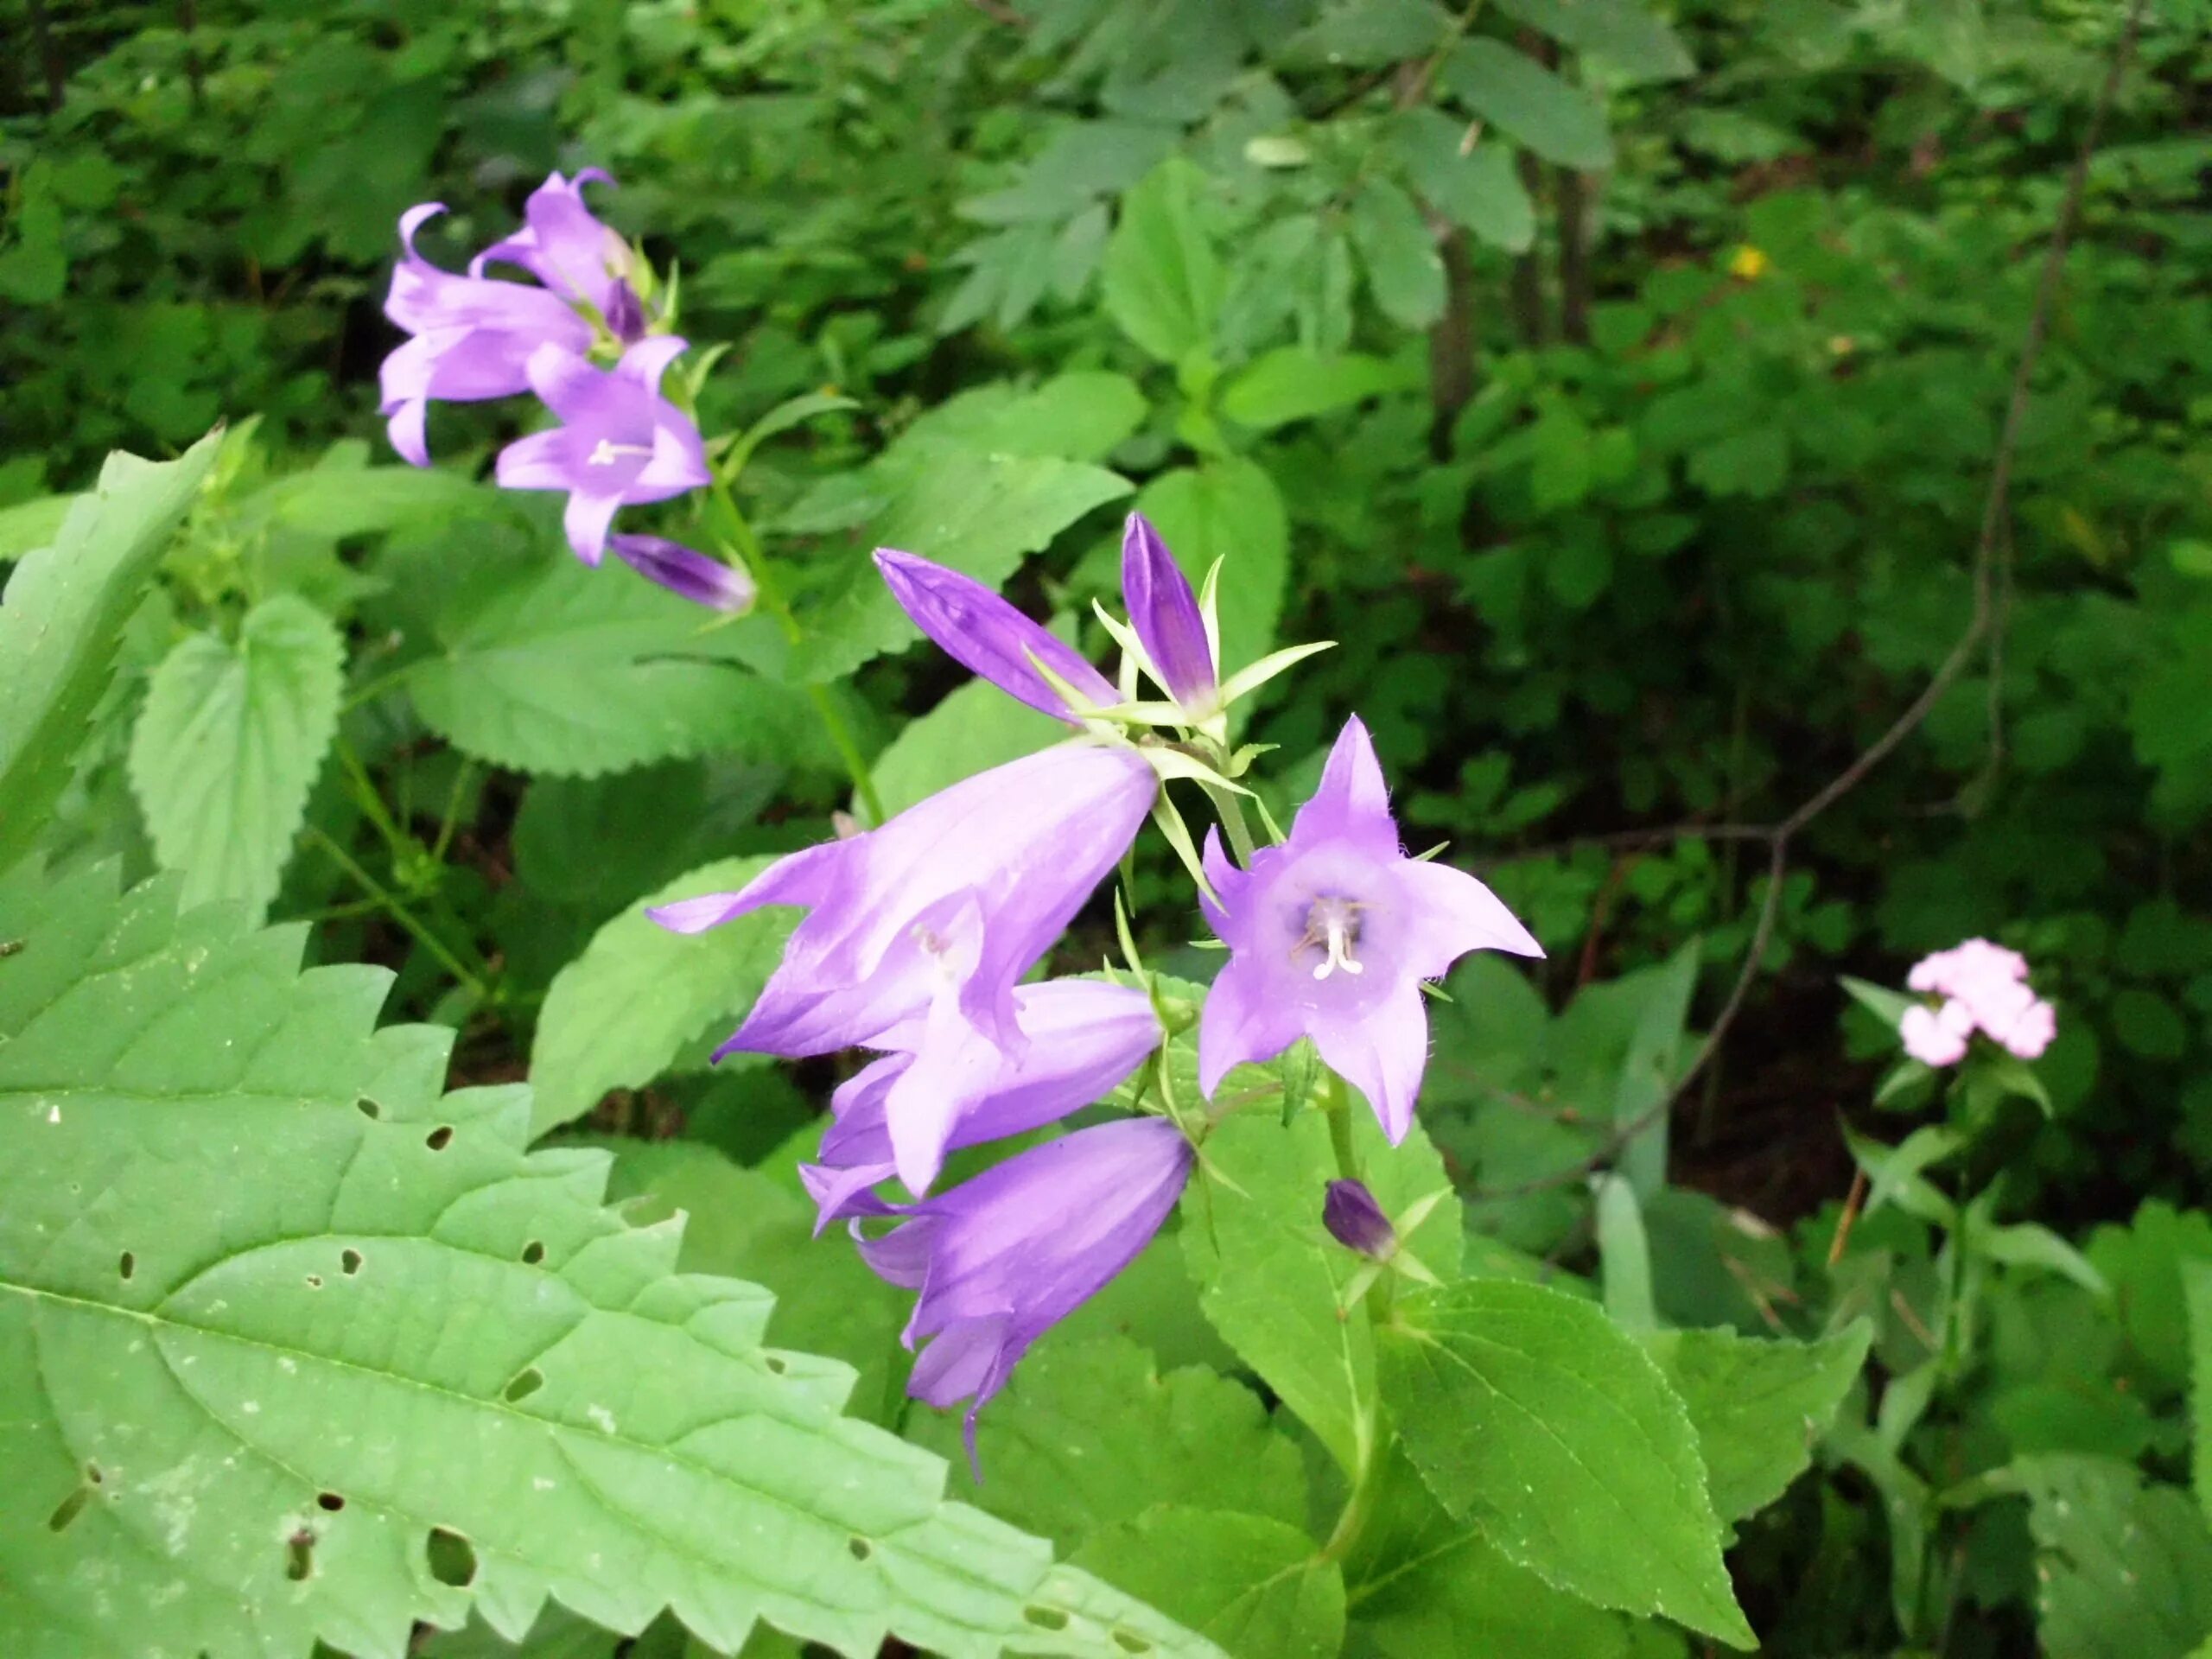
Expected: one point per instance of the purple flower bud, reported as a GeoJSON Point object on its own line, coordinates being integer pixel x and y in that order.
{"type": "Point", "coordinates": [1165, 613]}
{"type": "Point", "coordinates": [1082, 1036]}
{"type": "Point", "coordinates": [1331, 934]}
{"type": "Point", "coordinates": [1356, 1221]}
{"type": "Point", "coordinates": [1002, 1258]}
{"type": "Point", "coordinates": [472, 338]}
{"type": "Point", "coordinates": [684, 571]}
{"type": "Point", "coordinates": [619, 442]}
{"type": "Point", "coordinates": [937, 914]}
{"type": "Point", "coordinates": [567, 248]}
{"type": "Point", "coordinates": [988, 637]}
{"type": "Point", "coordinates": [626, 315]}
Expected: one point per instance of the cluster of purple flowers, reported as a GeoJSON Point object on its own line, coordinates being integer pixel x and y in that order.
{"type": "Point", "coordinates": [582, 336]}
{"type": "Point", "coordinates": [920, 933]}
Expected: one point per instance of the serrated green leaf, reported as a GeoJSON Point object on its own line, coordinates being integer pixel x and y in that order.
{"type": "Point", "coordinates": [1404, 271]}
{"type": "Point", "coordinates": [1622, 33]}
{"type": "Point", "coordinates": [1271, 1280]}
{"type": "Point", "coordinates": [620, 1014]}
{"type": "Point", "coordinates": [1256, 1586]}
{"type": "Point", "coordinates": [1083, 415]}
{"type": "Point", "coordinates": [1088, 1435]}
{"type": "Point", "coordinates": [1163, 284]}
{"type": "Point", "coordinates": [549, 666]}
{"type": "Point", "coordinates": [1533, 1417]}
{"type": "Point", "coordinates": [62, 618]}
{"type": "Point", "coordinates": [975, 728]}
{"type": "Point", "coordinates": [1295, 383]}
{"type": "Point", "coordinates": [1758, 1406]}
{"type": "Point", "coordinates": [228, 746]}
{"type": "Point", "coordinates": [1528, 103]}
{"type": "Point", "coordinates": [291, 1335]}
{"type": "Point", "coordinates": [1229, 510]}
{"type": "Point", "coordinates": [2124, 1568]}
{"type": "Point", "coordinates": [977, 513]}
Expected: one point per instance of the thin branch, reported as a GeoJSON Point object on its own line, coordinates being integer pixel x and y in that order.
{"type": "Point", "coordinates": [1995, 533]}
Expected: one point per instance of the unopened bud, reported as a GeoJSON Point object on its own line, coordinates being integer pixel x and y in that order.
{"type": "Point", "coordinates": [1357, 1222]}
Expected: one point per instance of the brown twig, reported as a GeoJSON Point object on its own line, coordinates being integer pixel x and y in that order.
{"type": "Point", "coordinates": [1995, 530]}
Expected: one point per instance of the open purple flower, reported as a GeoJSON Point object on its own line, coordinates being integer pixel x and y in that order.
{"type": "Point", "coordinates": [685, 571]}
{"type": "Point", "coordinates": [939, 913]}
{"type": "Point", "coordinates": [1165, 612]}
{"type": "Point", "coordinates": [1084, 1037]}
{"type": "Point", "coordinates": [471, 338]}
{"type": "Point", "coordinates": [1331, 935]}
{"type": "Point", "coordinates": [619, 442]}
{"type": "Point", "coordinates": [1000, 1259]}
{"type": "Point", "coordinates": [986, 636]}
{"type": "Point", "coordinates": [567, 248]}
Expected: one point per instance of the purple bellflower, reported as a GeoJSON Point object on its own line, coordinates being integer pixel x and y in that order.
{"type": "Point", "coordinates": [1356, 1221]}
{"type": "Point", "coordinates": [567, 248]}
{"type": "Point", "coordinates": [934, 917]}
{"type": "Point", "coordinates": [1000, 1259]}
{"type": "Point", "coordinates": [471, 338]}
{"type": "Point", "coordinates": [685, 571]}
{"type": "Point", "coordinates": [986, 636]}
{"type": "Point", "coordinates": [1165, 613]}
{"type": "Point", "coordinates": [1331, 935]}
{"type": "Point", "coordinates": [619, 442]}
{"type": "Point", "coordinates": [1083, 1036]}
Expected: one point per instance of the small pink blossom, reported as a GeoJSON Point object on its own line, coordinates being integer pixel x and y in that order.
{"type": "Point", "coordinates": [1984, 986]}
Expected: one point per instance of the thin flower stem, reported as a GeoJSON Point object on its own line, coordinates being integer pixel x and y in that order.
{"type": "Point", "coordinates": [377, 687]}
{"type": "Point", "coordinates": [391, 906]}
{"type": "Point", "coordinates": [1231, 813]}
{"type": "Point", "coordinates": [1367, 1479]}
{"type": "Point", "coordinates": [371, 801]}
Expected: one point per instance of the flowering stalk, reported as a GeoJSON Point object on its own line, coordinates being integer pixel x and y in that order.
{"type": "Point", "coordinates": [1366, 1478]}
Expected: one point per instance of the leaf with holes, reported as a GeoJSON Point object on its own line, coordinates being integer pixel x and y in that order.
{"type": "Point", "coordinates": [229, 744]}
{"type": "Point", "coordinates": [298, 1349]}
{"type": "Point", "coordinates": [63, 618]}
{"type": "Point", "coordinates": [620, 1015]}
{"type": "Point", "coordinates": [1535, 1418]}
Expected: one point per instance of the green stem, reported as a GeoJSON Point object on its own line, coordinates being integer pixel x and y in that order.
{"type": "Point", "coordinates": [390, 903]}
{"type": "Point", "coordinates": [1367, 1479]}
{"type": "Point", "coordinates": [371, 801]}
{"type": "Point", "coordinates": [730, 521]}
{"type": "Point", "coordinates": [1230, 811]}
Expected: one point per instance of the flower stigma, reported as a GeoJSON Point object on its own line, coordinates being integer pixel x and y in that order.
{"type": "Point", "coordinates": [1331, 924]}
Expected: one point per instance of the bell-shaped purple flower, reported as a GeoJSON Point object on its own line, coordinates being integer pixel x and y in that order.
{"type": "Point", "coordinates": [986, 636]}
{"type": "Point", "coordinates": [1356, 1221]}
{"type": "Point", "coordinates": [472, 338]}
{"type": "Point", "coordinates": [937, 914]}
{"type": "Point", "coordinates": [619, 442]}
{"type": "Point", "coordinates": [565, 246]}
{"type": "Point", "coordinates": [1083, 1038]}
{"type": "Point", "coordinates": [1331, 935]}
{"type": "Point", "coordinates": [1000, 1259]}
{"type": "Point", "coordinates": [1165, 612]}
{"type": "Point", "coordinates": [685, 571]}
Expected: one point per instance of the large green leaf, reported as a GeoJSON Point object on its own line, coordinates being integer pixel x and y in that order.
{"type": "Point", "coordinates": [976, 512]}
{"type": "Point", "coordinates": [2123, 1567]}
{"type": "Point", "coordinates": [1161, 281]}
{"type": "Point", "coordinates": [1271, 1278]}
{"type": "Point", "coordinates": [1256, 1587]}
{"type": "Point", "coordinates": [1532, 1417]}
{"type": "Point", "coordinates": [299, 1349]}
{"type": "Point", "coordinates": [620, 1014]}
{"type": "Point", "coordinates": [1083, 414]}
{"type": "Point", "coordinates": [1758, 1406]}
{"type": "Point", "coordinates": [1404, 271]}
{"type": "Point", "coordinates": [228, 746]}
{"type": "Point", "coordinates": [548, 666]}
{"type": "Point", "coordinates": [1088, 1435]}
{"type": "Point", "coordinates": [1528, 102]}
{"type": "Point", "coordinates": [1295, 383]}
{"type": "Point", "coordinates": [29, 525]}
{"type": "Point", "coordinates": [1476, 187]}
{"type": "Point", "coordinates": [1622, 32]}
{"type": "Point", "coordinates": [2197, 1291]}
{"type": "Point", "coordinates": [62, 617]}
{"type": "Point", "coordinates": [1229, 509]}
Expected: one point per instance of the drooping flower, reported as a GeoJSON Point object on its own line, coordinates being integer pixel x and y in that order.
{"type": "Point", "coordinates": [1165, 612]}
{"type": "Point", "coordinates": [685, 571]}
{"type": "Point", "coordinates": [619, 442]}
{"type": "Point", "coordinates": [1331, 935]}
{"type": "Point", "coordinates": [1356, 1221]}
{"type": "Point", "coordinates": [937, 915]}
{"type": "Point", "coordinates": [565, 246]}
{"type": "Point", "coordinates": [1083, 1038]}
{"type": "Point", "coordinates": [986, 636]}
{"type": "Point", "coordinates": [1000, 1259]}
{"type": "Point", "coordinates": [471, 338]}
{"type": "Point", "coordinates": [1984, 986]}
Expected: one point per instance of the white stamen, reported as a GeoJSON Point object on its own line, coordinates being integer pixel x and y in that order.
{"type": "Point", "coordinates": [1330, 924]}
{"type": "Point", "coordinates": [607, 454]}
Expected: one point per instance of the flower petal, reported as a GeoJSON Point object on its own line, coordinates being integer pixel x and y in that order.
{"type": "Point", "coordinates": [1382, 1053]}
{"type": "Point", "coordinates": [1352, 801]}
{"type": "Point", "coordinates": [1242, 1023]}
{"type": "Point", "coordinates": [1448, 913]}
{"type": "Point", "coordinates": [1165, 612]}
{"type": "Point", "coordinates": [986, 636]}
